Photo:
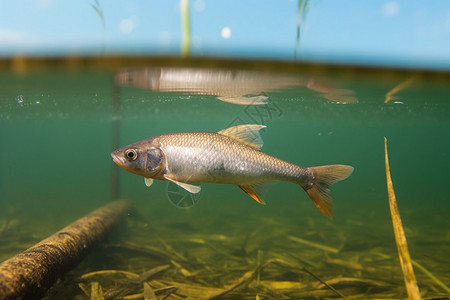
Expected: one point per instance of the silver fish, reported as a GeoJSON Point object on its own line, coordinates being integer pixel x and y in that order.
{"type": "Point", "coordinates": [230, 156]}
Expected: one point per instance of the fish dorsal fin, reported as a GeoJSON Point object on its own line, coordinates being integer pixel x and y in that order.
{"type": "Point", "coordinates": [255, 191]}
{"type": "Point", "coordinates": [247, 134]}
{"type": "Point", "coordinates": [188, 187]}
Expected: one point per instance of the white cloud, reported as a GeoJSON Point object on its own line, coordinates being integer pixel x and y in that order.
{"type": "Point", "coordinates": [11, 37]}
{"type": "Point", "coordinates": [199, 5]}
{"type": "Point", "coordinates": [127, 25]}
{"type": "Point", "coordinates": [165, 38]}
{"type": "Point", "coordinates": [226, 32]}
{"type": "Point", "coordinates": [44, 3]}
{"type": "Point", "coordinates": [447, 21]}
{"type": "Point", "coordinates": [390, 9]}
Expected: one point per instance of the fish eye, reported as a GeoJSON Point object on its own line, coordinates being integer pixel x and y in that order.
{"type": "Point", "coordinates": [131, 154]}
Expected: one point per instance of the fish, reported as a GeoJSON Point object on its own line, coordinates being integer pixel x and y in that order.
{"type": "Point", "coordinates": [230, 156]}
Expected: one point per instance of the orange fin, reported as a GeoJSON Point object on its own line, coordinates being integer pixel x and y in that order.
{"type": "Point", "coordinates": [254, 190]}
{"type": "Point", "coordinates": [247, 134]}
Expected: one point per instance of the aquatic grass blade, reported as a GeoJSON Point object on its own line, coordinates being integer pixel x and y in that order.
{"type": "Point", "coordinates": [400, 238]}
{"type": "Point", "coordinates": [186, 29]}
{"type": "Point", "coordinates": [399, 87]}
{"type": "Point", "coordinates": [312, 244]}
{"type": "Point", "coordinates": [99, 11]}
{"type": "Point", "coordinates": [431, 276]}
{"type": "Point", "coordinates": [302, 11]}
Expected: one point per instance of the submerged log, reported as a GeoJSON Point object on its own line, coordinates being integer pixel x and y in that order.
{"type": "Point", "coordinates": [29, 274]}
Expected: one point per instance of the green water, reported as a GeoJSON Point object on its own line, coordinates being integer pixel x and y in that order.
{"type": "Point", "coordinates": [56, 133]}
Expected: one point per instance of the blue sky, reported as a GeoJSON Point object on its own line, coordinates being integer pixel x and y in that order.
{"type": "Point", "coordinates": [406, 33]}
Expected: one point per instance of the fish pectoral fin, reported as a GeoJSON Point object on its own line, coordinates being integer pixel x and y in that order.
{"type": "Point", "coordinates": [148, 181]}
{"type": "Point", "coordinates": [255, 191]}
{"type": "Point", "coordinates": [188, 187]}
{"type": "Point", "coordinates": [243, 100]}
{"type": "Point", "coordinates": [247, 134]}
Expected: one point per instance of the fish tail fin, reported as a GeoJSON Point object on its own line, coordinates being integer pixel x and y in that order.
{"type": "Point", "coordinates": [324, 177]}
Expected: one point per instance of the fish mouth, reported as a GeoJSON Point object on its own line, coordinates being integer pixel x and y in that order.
{"type": "Point", "coordinates": [122, 162]}
{"type": "Point", "coordinates": [116, 159]}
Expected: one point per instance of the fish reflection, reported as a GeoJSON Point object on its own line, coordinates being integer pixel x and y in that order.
{"type": "Point", "coordinates": [232, 86]}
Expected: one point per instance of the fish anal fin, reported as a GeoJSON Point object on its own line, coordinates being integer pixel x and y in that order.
{"type": "Point", "coordinates": [247, 134]}
{"type": "Point", "coordinates": [255, 191]}
{"type": "Point", "coordinates": [188, 187]}
{"type": "Point", "coordinates": [243, 100]}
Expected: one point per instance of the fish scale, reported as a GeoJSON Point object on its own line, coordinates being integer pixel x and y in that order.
{"type": "Point", "coordinates": [225, 160]}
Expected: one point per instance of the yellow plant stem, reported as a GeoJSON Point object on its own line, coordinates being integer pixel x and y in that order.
{"type": "Point", "coordinates": [431, 276]}
{"type": "Point", "coordinates": [400, 238]}
{"type": "Point", "coordinates": [312, 244]}
{"type": "Point", "coordinates": [403, 85]}
{"type": "Point", "coordinates": [185, 27]}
